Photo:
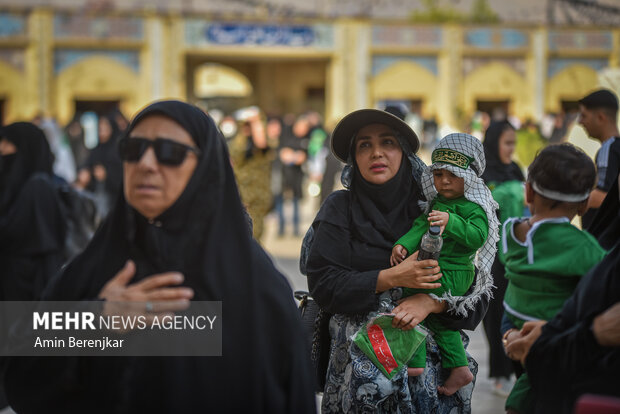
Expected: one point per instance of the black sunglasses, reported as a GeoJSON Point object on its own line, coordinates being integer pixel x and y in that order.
{"type": "Point", "coordinates": [167, 151]}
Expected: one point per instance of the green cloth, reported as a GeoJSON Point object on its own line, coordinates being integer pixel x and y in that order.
{"type": "Point", "coordinates": [521, 398]}
{"type": "Point", "coordinates": [465, 233]}
{"type": "Point", "coordinates": [449, 343]}
{"type": "Point", "coordinates": [317, 138]}
{"type": "Point", "coordinates": [544, 271]}
{"type": "Point", "coordinates": [387, 347]}
{"type": "Point", "coordinates": [510, 195]}
{"type": "Point", "coordinates": [529, 143]}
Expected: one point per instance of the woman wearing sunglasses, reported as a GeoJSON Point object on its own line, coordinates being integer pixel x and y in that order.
{"type": "Point", "coordinates": [175, 234]}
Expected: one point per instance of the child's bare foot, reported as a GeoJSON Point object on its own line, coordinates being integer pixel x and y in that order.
{"type": "Point", "coordinates": [415, 372]}
{"type": "Point", "coordinates": [459, 377]}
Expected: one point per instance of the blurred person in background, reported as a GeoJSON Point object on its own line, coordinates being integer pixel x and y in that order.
{"type": "Point", "coordinates": [74, 133]}
{"type": "Point", "coordinates": [274, 132]}
{"type": "Point", "coordinates": [333, 166]}
{"type": "Point", "coordinates": [316, 147]}
{"type": "Point", "coordinates": [228, 127]}
{"type": "Point", "coordinates": [293, 152]}
{"type": "Point", "coordinates": [64, 163]}
{"type": "Point", "coordinates": [529, 142]}
{"type": "Point", "coordinates": [505, 180]}
{"type": "Point", "coordinates": [598, 115]}
{"type": "Point", "coordinates": [251, 156]}
{"type": "Point", "coordinates": [32, 225]}
{"type": "Point", "coordinates": [102, 172]}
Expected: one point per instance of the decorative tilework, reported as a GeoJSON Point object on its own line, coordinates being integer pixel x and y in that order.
{"type": "Point", "coordinates": [580, 40]}
{"type": "Point", "coordinates": [380, 63]}
{"type": "Point", "coordinates": [491, 38]}
{"type": "Point", "coordinates": [96, 27]}
{"type": "Point", "coordinates": [64, 58]}
{"type": "Point", "coordinates": [12, 25]}
{"type": "Point", "coordinates": [406, 36]}
{"type": "Point", "coordinates": [198, 33]}
{"type": "Point", "coordinates": [558, 64]}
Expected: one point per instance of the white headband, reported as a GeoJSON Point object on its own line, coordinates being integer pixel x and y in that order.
{"type": "Point", "coordinates": [557, 196]}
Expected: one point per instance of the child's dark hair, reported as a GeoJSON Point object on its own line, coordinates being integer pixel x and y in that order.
{"type": "Point", "coordinates": [563, 168]}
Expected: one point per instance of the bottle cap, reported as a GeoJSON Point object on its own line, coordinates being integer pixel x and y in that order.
{"type": "Point", "coordinates": [434, 230]}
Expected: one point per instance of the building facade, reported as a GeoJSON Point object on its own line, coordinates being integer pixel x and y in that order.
{"type": "Point", "coordinates": [59, 62]}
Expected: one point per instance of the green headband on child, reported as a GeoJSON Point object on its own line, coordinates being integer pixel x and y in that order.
{"type": "Point", "coordinates": [452, 157]}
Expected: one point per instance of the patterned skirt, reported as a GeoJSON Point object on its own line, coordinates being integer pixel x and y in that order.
{"type": "Point", "coordinates": [354, 384]}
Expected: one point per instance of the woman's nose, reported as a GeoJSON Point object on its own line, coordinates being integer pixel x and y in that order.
{"type": "Point", "coordinates": [376, 150]}
{"type": "Point", "coordinates": [148, 159]}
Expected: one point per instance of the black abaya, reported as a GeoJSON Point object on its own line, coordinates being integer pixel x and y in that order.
{"type": "Point", "coordinates": [32, 224]}
{"type": "Point", "coordinates": [204, 235]}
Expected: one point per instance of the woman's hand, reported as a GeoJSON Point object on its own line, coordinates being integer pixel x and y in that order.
{"type": "Point", "coordinates": [606, 326]}
{"type": "Point", "coordinates": [414, 309]}
{"type": "Point", "coordinates": [398, 255]}
{"type": "Point", "coordinates": [410, 273]}
{"type": "Point", "coordinates": [518, 346]}
{"type": "Point", "coordinates": [439, 218]}
{"type": "Point", "coordinates": [152, 296]}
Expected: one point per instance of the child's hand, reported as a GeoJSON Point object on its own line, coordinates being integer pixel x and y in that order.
{"type": "Point", "coordinates": [439, 218]}
{"type": "Point", "coordinates": [398, 255]}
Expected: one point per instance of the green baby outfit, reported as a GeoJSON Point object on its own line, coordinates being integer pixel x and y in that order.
{"type": "Point", "coordinates": [465, 233]}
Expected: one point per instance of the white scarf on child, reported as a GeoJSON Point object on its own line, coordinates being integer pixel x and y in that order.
{"type": "Point", "coordinates": [463, 155]}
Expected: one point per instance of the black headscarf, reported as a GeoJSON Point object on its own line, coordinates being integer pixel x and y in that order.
{"type": "Point", "coordinates": [33, 155]}
{"type": "Point", "coordinates": [496, 171]}
{"type": "Point", "coordinates": [380, 214]}
{"type": "Point", "coordinates": [204, 235]}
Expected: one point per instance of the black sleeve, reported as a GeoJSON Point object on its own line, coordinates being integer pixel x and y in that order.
{"type": "Point", "coordinates": [608, 165]}
{"type": "Point", "coordinates": [335, 286]}
{"type": "Point", "coordinates": [471, 321]}
{"type": "Point", "coordinates": [561, 353]}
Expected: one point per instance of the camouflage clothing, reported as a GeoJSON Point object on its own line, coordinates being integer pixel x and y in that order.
{"type": "Point", "coordinates": [252, 168]}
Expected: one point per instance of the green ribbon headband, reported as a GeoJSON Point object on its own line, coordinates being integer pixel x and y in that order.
{"type": "Point", "coordinates": [452, 157]}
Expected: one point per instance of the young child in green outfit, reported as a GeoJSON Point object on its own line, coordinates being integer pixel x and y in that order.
{"type": "Point", "coordinates": [545, 256]}
{"type": "Point", "coordinates": [463, 207]}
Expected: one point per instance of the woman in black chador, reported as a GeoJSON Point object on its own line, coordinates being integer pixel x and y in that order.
{"type": "Point", "coordinates": [102, 171]}
{"type": "Point", "coordinates": [179, 212]}
{"type": "Point", "coordinates": [32, 229]}
{"type": "Point", "coordinates": [505, 180]}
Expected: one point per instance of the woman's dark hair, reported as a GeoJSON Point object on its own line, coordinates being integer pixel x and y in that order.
{"type": "Point", "coordinates": [563, 168]}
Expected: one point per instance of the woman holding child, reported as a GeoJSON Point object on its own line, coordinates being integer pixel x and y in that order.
{"type": "Point", "coordinates": [349, 271]}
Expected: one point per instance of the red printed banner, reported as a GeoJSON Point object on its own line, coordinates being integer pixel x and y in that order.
{"type": "Point", "coordinates": [381, 348]}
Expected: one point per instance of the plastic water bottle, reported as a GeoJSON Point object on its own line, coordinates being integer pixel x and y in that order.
{"type": "Point", "coordinates": [431, 243]}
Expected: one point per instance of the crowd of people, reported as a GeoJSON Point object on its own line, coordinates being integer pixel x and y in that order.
{"type": "Point", "coordinates": [183, 194]}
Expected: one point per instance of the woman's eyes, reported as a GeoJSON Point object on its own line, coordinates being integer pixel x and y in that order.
{"type": "Point", "coordinates": [384, 141]}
